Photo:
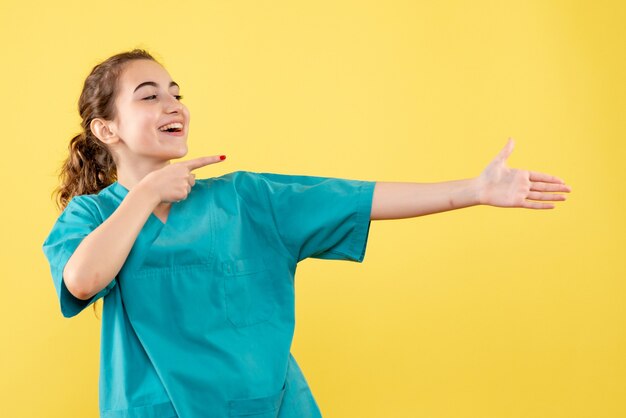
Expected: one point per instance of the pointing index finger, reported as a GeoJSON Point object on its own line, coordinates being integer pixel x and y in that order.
{"type": "Point", "coordinates": [203, 161]}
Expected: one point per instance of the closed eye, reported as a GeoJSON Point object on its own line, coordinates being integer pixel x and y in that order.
{"type": "Point", "coordinates": [178, 97]}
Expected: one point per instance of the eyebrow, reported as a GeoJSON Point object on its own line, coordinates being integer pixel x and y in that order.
{"type": "Point", "coordinates": [152, 83]}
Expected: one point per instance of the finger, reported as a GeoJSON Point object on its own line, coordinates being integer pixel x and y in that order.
{"type": "Point", "coordinates": [506, 151]}
{"type": "Point", "coordinates": [536, 176]}
{"type": "Point", "coordinates": [546, 196]}
{"type": "Point", "coordinates": [536, 205]}
{"type": "Point", "coordinates": [202, 161]}
{"type": "Point", "coordinates": [549, 187]}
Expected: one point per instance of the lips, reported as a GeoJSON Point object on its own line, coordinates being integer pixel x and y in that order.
{"type": "Point", "coordinates": [173, 128]}
{"type": "Point", "coordinates": [173, 121]}
{"type": "Point", "coordinates": [179, 133]}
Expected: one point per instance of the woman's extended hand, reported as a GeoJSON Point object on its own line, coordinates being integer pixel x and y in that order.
{"type": "Point", "coordinates": [508, 187]}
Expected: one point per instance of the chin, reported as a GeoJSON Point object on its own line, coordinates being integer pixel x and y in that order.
{"type": "Point", "coordinates": [181, 154]}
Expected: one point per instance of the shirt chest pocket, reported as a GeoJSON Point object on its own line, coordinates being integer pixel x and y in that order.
{"type": "Point", "coordinates": [250, 291]}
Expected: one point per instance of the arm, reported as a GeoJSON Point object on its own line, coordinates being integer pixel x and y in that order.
{"type": "Point", "coordinates": [102, 253]}
{"type": "Point", "coordinates": [497, 185]}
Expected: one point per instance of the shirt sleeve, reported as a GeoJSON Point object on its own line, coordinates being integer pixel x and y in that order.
{"type": "Point", "coordinates": [72, 226]}
{"type": "Point", "coordinates": [319, 217]}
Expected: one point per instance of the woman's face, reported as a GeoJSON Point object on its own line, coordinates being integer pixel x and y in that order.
{"type": "Point", "coordinates": [147, 99]}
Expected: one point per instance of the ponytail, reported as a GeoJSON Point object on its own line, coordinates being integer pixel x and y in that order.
{"type": "Point", "coordinates": [90, 166]}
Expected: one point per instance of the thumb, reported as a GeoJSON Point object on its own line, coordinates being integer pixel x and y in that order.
{"type": "Point", "coordinates": [203, 161]}
{"type": "Point", "coordinates": [506, 151]}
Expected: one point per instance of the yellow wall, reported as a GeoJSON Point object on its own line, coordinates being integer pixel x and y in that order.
{"type": "Point", "coordinates": [482, 312]}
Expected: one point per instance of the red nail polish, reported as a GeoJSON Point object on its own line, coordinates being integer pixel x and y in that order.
{"type": "Point", "coordinates": [222, 157]}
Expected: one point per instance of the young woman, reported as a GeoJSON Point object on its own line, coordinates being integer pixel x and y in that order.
{"type": "Point", "coordinates": [198, 274]}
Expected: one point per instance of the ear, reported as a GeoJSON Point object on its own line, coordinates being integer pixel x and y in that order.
{"type": "Point", "coordinates": [104, 130]}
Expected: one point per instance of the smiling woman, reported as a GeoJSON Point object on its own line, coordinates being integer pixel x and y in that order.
{"type": "Point", "coordinates": [194, 296]}
{"type": "Point", "coordinates": [198, 277]}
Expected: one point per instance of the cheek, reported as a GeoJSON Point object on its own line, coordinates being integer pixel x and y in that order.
{"type": "Point", "coordinates": [144, 132]}
{"type": "Point", "coordinates": [146, 125]}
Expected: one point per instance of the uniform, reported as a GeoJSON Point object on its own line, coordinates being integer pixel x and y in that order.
{"type": "Point", "coordinates": [199, 321]}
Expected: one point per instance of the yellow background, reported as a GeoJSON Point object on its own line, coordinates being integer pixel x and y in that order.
{"type": "Point", "coordinates": [482, 312]}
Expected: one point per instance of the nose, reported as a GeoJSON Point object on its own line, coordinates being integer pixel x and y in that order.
{"type": "Point", "coordinates": [173, 104]}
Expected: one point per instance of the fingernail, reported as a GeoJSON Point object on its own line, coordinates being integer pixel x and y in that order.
{"type": "Point", "coordinates": [222, 157]}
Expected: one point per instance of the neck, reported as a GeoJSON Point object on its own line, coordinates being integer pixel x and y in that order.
{"type": "Point", "coordinates": [129, 178]}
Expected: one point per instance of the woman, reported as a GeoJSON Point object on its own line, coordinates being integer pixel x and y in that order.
{"type": "Point", "coordinates": [198, 275]}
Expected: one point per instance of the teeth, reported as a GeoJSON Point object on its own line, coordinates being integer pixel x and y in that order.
{"type": "Point", "coordinates": [171, 125]}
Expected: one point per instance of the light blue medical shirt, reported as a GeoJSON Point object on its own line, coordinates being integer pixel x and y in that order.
{"type": "Point", "coordinates": [199, 321]}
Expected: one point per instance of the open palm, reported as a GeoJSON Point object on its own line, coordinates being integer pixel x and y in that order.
{"type": "Point", "coordinates": [508, 187]}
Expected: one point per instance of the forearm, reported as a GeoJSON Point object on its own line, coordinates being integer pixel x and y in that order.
{"type": "Point", "coordinates": [102, 253]}
{"type": "Point", "coordinates": [396, 200]}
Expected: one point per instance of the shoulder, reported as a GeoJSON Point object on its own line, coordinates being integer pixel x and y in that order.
{"type": "Point", "coordinates": [266, 182]}
{"type": "Point", "coordinates": [247, 186]}
{"type": "Point", "coordinates": [224, 178]}
{"type": "Point", "coordinates": [243, 182]}
{"type": "Point", "coordinates": [236, 180]}
{"type": "Point", "coordinates": [96, 206]}
{"type": "Point", "coordinates": [79, 214]}
{"type": "Point", "coordinates": [86, 204]}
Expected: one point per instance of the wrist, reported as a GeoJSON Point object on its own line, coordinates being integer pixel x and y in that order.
{"type": "Point", "coordinates": [478, 189]}
{"type": "Point", "coordinates": [147, 193]}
